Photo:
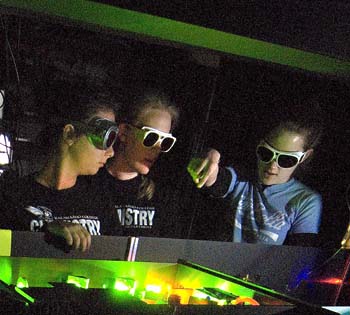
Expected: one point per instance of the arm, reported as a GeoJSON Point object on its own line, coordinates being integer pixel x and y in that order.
{"type": "Point", "coordinates": [302, 239]}
{"type": "Point", "coordinates": [75, 235]}
{"type": "Point", "coordinates": [208, 175]}
{"type": "Point", "coordinates": [17, 214]}
{"type": "Point", "coordinates": [304, 231]}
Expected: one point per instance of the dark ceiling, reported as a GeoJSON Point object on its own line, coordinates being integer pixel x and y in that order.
{"type": "Point", "coordinates": [313, 35]}
{"type": "Point", "coordinates": [316, 26]}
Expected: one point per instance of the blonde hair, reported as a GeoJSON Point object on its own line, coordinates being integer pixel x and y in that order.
{"type": "Point", "coordinates": [140, 105]}
{"type": "Point", "coordinates": [149, 101]}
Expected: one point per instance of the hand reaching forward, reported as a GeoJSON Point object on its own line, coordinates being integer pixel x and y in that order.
{"type": "Point", "coordinates": [75, 235]}
{"type": "Point", "coordinates": [204, 171]}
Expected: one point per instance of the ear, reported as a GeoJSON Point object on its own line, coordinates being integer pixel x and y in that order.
{"type": "Point", "coordinates": [69, 135]}
{"type": "Point", "coordinates": [123, 131]}
{"type": "Point", "coordinates": [307, 154]}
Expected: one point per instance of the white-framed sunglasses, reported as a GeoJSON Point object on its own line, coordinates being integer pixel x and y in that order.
{"type": "Point", "coordinates": [284, 159]}
{"type": "Point", "coordinates": [151, 137]}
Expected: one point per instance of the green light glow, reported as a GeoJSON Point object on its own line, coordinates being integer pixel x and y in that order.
{"type": "Point", "coordinates": [25, 295]}
{"type": "Point", "coordinates": [161, 280]}
{"type": "Point", "coordinates": [80, 282]}
{"type": "Point", "coordinates": [122, 285]}
{"type": "Point", "coordinates": [241, 284]}
{"type": "Point", "coordinates": [22, 283]}
{"type": "Point", "coordinates": [5, 244]}
{"type": "Point", "coordinates": [200, 295]}
{"type": "Point", "coordinates": [196, 280]}
{"type": "Point", "coordinates": [125, 285]}
{"type": "Point", "coordinates": [5, 270]}
{"type": "Point", "coordinates": [153, 288]}
{"type": "Point", "coordinates": [171, 31]}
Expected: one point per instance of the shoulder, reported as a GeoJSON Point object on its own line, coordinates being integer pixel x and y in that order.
{"type": "Point", "coordinates": [305, 197]}
{"type": "Point", "coordinates": [304, 190]}
{"type": "Point", "coordinates": [15, 183]}
{"type": "Point", "coordinates": [17, 191]}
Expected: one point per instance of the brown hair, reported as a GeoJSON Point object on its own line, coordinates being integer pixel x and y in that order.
{"type": "Point", "coordinates": [304, 117]}
{"type": "Point", "coordinates": [76, 106]}
{"type": "Point", "coordinates": [311, 133]}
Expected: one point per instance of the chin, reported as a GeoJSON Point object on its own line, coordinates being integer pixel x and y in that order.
{"type": "Point", "coordinates": [267, 181]}
{"type": "Point", "coordinates": [144, 170]}
{"type": "Point", "coordinates": [264, 182]}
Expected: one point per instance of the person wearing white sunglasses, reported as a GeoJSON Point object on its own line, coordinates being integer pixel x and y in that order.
{"type": "Point", "coordinates": [274, 207]}
{"type": "Point", "coordinates": [145, 132]}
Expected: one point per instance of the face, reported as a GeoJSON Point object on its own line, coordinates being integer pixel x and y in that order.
{"type": "Point", "coordinates": [139, 159]}
{"type": "Point", "coordinates": [271, 173]}
{"type": "Point", "coordinates": [86, 158]}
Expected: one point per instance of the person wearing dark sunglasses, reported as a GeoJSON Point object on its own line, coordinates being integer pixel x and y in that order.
{"type": "Point", "coordinates": [274, 207]}
{"type": "Point", "coordinates": [78, 140]}
{"type": "Point", "coordinates": [145, 132]}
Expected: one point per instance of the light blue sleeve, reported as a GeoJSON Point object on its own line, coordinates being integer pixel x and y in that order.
{"type": "Point", "coordinates": [308, 216]}
{"type": "Point", "coordinates": [233, 180]}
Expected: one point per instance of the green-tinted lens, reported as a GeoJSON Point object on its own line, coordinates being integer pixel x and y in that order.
{"type": "Point", "coordinates": [102, 133]}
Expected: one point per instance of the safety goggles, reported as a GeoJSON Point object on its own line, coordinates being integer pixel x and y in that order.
{"type": "Point", "coordinates": [151, 137]}
{"type": "Point", "coordinates": [284, 159]}
{"type": "Point", "coordinates": [101, 132]}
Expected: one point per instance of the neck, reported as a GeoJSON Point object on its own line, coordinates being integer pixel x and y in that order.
{"type": "Point", "coordinates": [119, 168]}
{"type": "Point", "coordinates": [56, 175]}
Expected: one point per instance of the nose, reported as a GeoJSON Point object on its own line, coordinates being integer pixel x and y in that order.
{"type": "Point", "coordinates": [273, 163]}
{"type": "Point", "coordinates": [157, 148]}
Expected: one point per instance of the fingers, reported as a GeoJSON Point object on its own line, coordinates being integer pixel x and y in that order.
{"type": "Point", "coordinates": [197, 169]}
{"type": "Point", "coordinates": [204, 171]}
{"type": "Point", "coordinates": [202, 168]}
{"type": "Point", "coordinates": [214, 156]}
{"type": "Point", "coordinates": [209, 175]}
{"type": "Point", "coordinates": [76, 236]}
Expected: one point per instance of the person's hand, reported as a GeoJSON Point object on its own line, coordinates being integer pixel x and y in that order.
{"type": "Point", "coordinates": [75, 235]}
{"type": "Point", "coordinates": [204, 171]}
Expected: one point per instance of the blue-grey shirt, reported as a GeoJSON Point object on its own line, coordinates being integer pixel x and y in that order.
{"type": "Point", "coordinates": [268, 214]}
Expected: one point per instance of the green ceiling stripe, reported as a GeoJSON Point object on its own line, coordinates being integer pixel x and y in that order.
{"type": "Point", "coordinates": [184, 33]}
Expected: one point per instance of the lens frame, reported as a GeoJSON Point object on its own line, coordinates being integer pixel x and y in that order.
{"type": "Point", "coordinates": [98, 131]}
{"type": "Point", "coordinates": [276, 154]}
{"type": "Point", "coordinates": [145, 131]}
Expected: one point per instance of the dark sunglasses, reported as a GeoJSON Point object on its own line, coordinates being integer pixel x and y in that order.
{"type": "Point", "coordinates": [101, 132]}
{"type": "Point", "coordinates": [267, 154]}
{"type": "Point", "coordinates": [151, 137]}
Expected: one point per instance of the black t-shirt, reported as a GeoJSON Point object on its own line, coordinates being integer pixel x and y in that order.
{"type": "Point", "coordinates": [26, 205]}
{"type": "Point", "coordinates": [132, 216]}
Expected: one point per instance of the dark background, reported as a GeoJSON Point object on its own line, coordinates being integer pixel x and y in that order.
{"type": "Point", "coordinates": [225, 102]}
